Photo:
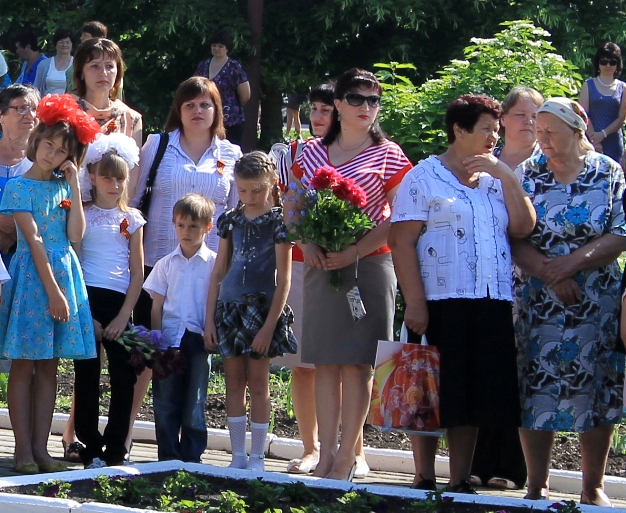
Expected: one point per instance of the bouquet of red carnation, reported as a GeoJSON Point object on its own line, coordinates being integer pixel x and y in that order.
{"type": "Point", "coordinates": [146, 348]}
{"type": "Point", "coordinates": [330, 214]}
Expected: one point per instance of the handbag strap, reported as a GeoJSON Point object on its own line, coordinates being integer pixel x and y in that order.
{"type": "Point", "coordinates": [144, 204]}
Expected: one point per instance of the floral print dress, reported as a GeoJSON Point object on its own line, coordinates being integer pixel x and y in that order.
{"type": "Point", "coordinates": [571, 371]}
{"type": "Point", "coordinates": [27, 330]}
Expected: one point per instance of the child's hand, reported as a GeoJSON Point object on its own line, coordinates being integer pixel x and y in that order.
{"type": "Point", "coordinates": [210, 336]}
{"type": "Point", "coordinates": [97, 328]}
{"type": "Point", "coordinates": [59, 308]}
{"type": "Point", "coordinates": [116, 327]}
{"type": "Point", "coordinates": [71, 173]}
{"type": "Point", "coordinates": [262, 341]}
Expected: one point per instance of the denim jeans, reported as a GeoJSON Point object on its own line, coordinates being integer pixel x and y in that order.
{"type": "Point", "coordinates": [179, 404]}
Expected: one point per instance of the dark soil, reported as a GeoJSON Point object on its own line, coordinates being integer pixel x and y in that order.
{"type": "Point", "coordinates": [565, 455]}
{"type": "Point", "coordinates": [258, 496]}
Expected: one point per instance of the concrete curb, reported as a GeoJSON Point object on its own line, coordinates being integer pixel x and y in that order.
{"type": "Point", "coordinates": [386, 460]}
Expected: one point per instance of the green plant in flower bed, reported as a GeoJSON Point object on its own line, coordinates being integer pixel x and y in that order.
{"type": "Point", "coordinates": [54, 488]}
{"type": "Point", "coordinates": [120, 490]}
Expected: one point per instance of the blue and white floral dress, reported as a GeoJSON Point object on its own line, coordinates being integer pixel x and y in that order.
{"type": "Point", "coordinates": [27, 331]}
{"type": "Point", "coordinates": [571, 368]}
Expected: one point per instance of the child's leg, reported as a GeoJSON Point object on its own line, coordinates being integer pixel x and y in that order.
{"type": "Point", "coordinates": [44, 394]}
{"type": "Point", "coordinates": [122, 378]}
{"type": "Point", "coordinates": [193, 435]}
{"type": "Point", "coordinates": [258, 384]}
{"type": "Point", "coordinates": [235, 370]}
{"type": "Point", "coordinates": [141, 388]}
{"type": "Point", "coordinates": [167, 394]}
{"type": "Point", "coordinates": [19, 400]}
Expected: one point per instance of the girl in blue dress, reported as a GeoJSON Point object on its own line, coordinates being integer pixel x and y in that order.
{"type": "Point", "coordinates": [44, 313]}
{"type": "Point", "coordinates": [247, 318]}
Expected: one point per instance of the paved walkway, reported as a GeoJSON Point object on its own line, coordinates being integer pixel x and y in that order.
{"type": "Point", "coordinates": [144, 452]}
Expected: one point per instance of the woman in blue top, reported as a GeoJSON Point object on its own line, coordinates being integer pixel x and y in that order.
{"type": "Point", "coordinates": [603, 99]}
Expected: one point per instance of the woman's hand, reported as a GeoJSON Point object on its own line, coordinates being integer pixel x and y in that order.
{"type": "Point", "coordinates": [262, 341]}
{"type": "Point", "coordinates": [340, 259]}
{"type": "Point", "coordinates": [314, 256]}
{"type": "Point", "coordinates": [487, 163]}
{"type": "Point", "coordinates": [116, 327]}
{"type": "Point", "coordinates": [416, 316]}
{"type": "Point", "coordinates": [557, 269]}
{"type": "Point", "coordinates": [71, 173]}
{"type": "Point", "coordinates": [59, 307]}
{"type": "Point", "coordinates": [210, 336]}
{"type": "Point", "coordinates": [567, 291]}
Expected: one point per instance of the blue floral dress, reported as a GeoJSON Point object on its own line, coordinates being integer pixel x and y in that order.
{"type": "Point", "coordinates": [571, 369]}
{"type": "Point", "coordinates": [27, 331]}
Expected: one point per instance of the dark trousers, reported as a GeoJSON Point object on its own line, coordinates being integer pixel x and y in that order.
{"type": "Point", "coordinates": [142, 313]}
{"type": "Point", "coordinates": [498, 453]}
{"type": "Point", "coordinates": [105, 305]}
{"type": "Point", "coordinates": [234, 133]}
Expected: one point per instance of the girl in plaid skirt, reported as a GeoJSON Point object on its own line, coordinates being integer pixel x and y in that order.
{"type": "Point", "coordinates": [248, 320]}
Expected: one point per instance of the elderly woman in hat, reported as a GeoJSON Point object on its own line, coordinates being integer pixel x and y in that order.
{"type": "Point", "coordinates": [567, 295]}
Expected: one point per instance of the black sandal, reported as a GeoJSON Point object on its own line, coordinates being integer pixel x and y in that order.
{"type": "Point", "coordinates": [71, 451]}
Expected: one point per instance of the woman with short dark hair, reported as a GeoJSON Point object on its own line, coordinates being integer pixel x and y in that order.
{"type": "Point", "coordinates": [50, 76]}
{"type": "Point", "coordinates": [232, 81]}
{"type": "Point", "coordinates": [452, 220]}
{"type": "Point", "coordinates": [604, 100]}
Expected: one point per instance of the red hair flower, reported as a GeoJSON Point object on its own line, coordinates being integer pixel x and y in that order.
{"type": "Point", "coordinates": [66, 204]}
{"type": "Point", "coordinates": [124, 228]}
{"type": "Point", "coordinates": [55, 108]}
{"type": "Point", "coordinates": [326, 177]}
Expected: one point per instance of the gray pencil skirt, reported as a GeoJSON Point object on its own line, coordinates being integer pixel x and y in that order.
{"type": "Point", "coordinates": [330, 336]}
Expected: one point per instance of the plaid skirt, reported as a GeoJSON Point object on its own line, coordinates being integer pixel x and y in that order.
{"type": "Point", "coordinates": [238, 323]}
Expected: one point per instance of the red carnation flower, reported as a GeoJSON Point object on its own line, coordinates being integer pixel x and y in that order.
{"type": "Point", "coordinates": [359, 198]}
{"type": "Point", "coordinates": [66, 204]}
{"type": "Point", "coordinates": [326, 177]}
{"type": "Point", "coordinates": [343, 190]}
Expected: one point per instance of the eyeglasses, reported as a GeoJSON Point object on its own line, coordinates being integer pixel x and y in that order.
{"type": "Point", "coordinates": [608, 62]}
{"type": "Point", "coordinates": [356, 100]}
{"type": "Point", "coordinates": [22, 110]}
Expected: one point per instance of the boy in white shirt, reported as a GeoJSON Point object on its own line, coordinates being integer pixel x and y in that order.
{"type": "Point", "coordinates": [178, 285]}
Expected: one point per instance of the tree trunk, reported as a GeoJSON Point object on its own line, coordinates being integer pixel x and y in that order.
{"type": "Point", "coordinates": [255, 20]}
{"type": "Point", "coordinates": [271, 116]}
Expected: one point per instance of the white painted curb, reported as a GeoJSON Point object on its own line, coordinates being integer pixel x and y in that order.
{"type": "Point", "coordinates": [386, 460]}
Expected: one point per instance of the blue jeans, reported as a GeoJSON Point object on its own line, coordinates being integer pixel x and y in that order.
{"type": "Point", "coordinates": [179, 405]}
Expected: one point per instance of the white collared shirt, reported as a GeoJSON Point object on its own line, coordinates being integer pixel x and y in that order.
{"type": "Point", "coordinates": [185, 284]}
{"type": "Point", "coordinates": [464, 250]}
{"type": "Point", "coordinates": [178, 175]}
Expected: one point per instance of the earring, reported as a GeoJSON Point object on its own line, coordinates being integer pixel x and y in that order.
{"type": "Point", "coordinates": [338, 116]}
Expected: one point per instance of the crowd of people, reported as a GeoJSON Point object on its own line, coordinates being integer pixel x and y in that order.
{"type": "Point", "coordinates": [506, 256]}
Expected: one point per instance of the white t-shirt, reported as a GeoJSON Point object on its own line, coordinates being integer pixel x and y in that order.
{"type": "Point", "coordinates": [105, 250]}
{"type": "Point", "coordinates": [185, 285]}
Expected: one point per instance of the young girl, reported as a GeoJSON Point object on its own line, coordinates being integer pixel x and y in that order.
{"type": "Point", "coordinates": [44, 314]}
{"type": "Point", "coordinates": [247, 320]}
{"type": "Point", "coordinates": [111, 256]}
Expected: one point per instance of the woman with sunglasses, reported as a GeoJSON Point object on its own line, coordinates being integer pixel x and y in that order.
{"type": "Point", "coordinates": [342, 350]}
{"type": "Point", "coordinates": [604, 100]}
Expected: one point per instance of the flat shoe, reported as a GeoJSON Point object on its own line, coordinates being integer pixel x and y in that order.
{"type": "Point", "coordinates": [57, 466]}
{"type": "Point", "coordinates": [362, 471]}
{"type": "Point", "coordinates": [501, 483]}
{"type": "Point", "coordinates": [462, 487]}
{"type": "Point", "coordinates": [298, 466]}
{"type": "Point", "coordinates": [425, 484]}
{"type": "Point", "coordinates": [596, 498]}
{"type": "Point", "coordinates": [475, 481]}
{"type": "Point", "coordinates": [71, 451]}
{"type": "Point", "coordinates": [29, 468]}
{"type": "Point", "coordinates": [537, 494]}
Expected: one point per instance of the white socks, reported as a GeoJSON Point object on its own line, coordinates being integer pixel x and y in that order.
{"type": "Point", "coordinates": [237, 431]}
{"type": "Point", "coordinates": [257, 449]}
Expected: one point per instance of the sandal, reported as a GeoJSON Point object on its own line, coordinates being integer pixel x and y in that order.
{"type": "Point", "coordinates": [71, 451]}
{"type": "Point", "coordinates": [298, 466]}
{"type": "Point", "coordinates": [502, 483]}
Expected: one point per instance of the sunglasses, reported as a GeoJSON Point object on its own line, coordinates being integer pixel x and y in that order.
{"type": "Point", "coordinates": [608, 62]}
{"type": "Point", "coordinates": [356, 99]}
{"type": "Point", "coordinates": [24, 109]}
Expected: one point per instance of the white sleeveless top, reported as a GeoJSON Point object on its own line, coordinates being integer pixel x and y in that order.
{"type": "Point", "coordinates": [55, 79]}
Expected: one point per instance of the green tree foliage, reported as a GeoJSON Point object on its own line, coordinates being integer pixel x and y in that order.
{"type": "Point", "coordinates": [518, 55]}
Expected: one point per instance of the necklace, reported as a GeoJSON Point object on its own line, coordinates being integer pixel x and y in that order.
{"type": "Point", "coordinates": [606, 85]}
{"type": "Point", "coordinates": [355, 148]}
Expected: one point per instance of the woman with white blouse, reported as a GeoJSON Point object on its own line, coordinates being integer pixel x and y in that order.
{"type": "Point", "coordinates": [452, 219]}
{"type": "Point", "coordinates": [197, 159]}
{"type": "Point", "coordinates": [50, 77]}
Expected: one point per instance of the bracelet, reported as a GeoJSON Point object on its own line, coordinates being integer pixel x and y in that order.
{"type": "Point", "coordinates": [604, 133]}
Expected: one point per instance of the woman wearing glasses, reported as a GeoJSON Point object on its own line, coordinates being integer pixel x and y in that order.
{"type": "Point", "coordinates": [604, 100]}
{"type": "Point", "coordinates": [342, 350]}
{"type": "Point", "coordinates": [18, 105]}
{"type": "Point", "coordinates": [50, 77]}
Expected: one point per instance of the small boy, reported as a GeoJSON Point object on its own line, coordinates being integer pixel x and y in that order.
{"type": "Point", "coordinates": [178, 285]}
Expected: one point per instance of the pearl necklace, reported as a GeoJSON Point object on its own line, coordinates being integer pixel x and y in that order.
{"type": "Point", "coordinates": [606, 85]}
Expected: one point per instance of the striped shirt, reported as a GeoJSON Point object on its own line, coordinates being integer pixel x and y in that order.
{"type": "Point", "coordinates": [378, 169]}
{"type": "Point", "coordinates": [178, 175]}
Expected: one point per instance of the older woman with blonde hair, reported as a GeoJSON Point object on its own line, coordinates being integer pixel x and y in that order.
{"type": "Point", "coordinates": [567, 300]}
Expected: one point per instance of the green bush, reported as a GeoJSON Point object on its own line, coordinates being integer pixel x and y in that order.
{"type": "Point", "coordinates": [519, 55]}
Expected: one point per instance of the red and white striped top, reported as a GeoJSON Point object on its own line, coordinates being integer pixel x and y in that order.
{"type": "Point", "coordinates": [378, 169]}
